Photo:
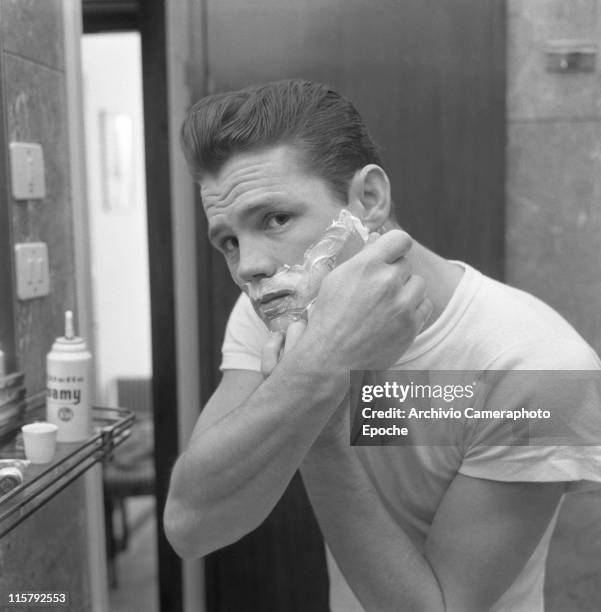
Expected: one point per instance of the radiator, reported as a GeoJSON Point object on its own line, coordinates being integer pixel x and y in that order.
{"type": "Point", "coordinates": [135, 394]}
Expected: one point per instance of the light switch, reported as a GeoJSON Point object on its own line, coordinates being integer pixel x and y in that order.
{"type": "Point", "coordinates": [27, 171]}
{"type": "Point", "coordinates": [33, 274]}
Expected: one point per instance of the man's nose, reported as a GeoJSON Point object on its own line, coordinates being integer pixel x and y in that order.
{"type": "Point", "coordinates": [254, 262]}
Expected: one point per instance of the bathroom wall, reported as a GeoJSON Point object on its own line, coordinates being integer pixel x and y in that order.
{"type": "Point", "coordinates": [553, 225]}
{"type": "Point", "coordinates": [35, 101]}
{"type": "Point", "coordinates": [554, 163]}
{"type": "Point", "coordinates": [48, 551]}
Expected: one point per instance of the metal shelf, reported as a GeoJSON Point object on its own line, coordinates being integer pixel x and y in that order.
{"type": "Point", "coordinates": [71, 460]}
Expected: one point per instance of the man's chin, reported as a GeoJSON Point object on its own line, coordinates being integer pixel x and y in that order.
{"type": "Point", "coordinates": [281, 322]}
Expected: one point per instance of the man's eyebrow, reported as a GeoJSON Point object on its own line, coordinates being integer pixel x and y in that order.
{"type": "Point", "coordinates": [249, 211]}
{"type": "Point", "coordinates": [268, 203]}
{"type": "Point", "coordinates": [216, 230]}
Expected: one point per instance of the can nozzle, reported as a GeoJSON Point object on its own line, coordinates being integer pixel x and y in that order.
{"type": "Point", "coordinates": [69, 331]}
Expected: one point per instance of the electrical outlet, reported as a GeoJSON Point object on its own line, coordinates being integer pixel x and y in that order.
{"type": "Point", "coordinates": [33, 273]}
{"type": "Point", "coordinates": [27, 171]}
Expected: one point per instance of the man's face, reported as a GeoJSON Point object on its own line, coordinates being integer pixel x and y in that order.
{"type": "Point", "coordinates": [264, 210]}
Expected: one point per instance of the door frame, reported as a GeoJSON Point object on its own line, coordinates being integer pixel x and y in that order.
{"type": "Point", "coordinates": [149, 18]}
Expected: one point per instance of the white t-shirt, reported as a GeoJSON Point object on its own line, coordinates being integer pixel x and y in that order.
{"type": "Point", "coordinates": [485, 326]}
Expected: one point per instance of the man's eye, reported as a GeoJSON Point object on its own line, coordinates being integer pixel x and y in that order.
{"type": "Point", "coordinates": [229, 245]}
{"type": "Point", "coordinates": [277, 220]}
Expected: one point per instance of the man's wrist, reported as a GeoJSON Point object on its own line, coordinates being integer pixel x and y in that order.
{"type": "Point", "coordinates": [322, 373]}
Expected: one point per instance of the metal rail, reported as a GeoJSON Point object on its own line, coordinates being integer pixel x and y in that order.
{"type": "Point", "coordinates": [72, 460]}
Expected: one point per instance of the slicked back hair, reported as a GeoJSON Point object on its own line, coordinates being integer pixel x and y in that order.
{"type": "Point", "coordinates": [323, 125]}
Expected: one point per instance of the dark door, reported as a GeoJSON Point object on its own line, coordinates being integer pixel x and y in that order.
{"type": "Point", "coordinates": [428, 76]}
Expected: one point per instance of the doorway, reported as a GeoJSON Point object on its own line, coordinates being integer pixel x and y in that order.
{"type": "Point", "coordinates": [117, 212]}
{"type": "Point", "coordinates": [148, 18]}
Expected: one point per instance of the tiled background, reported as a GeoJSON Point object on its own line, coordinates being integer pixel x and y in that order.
{"type": "Point", "coordinates": [554, 163]}
{"type": "Point", "coordinates": [553, 236]}
{"type": "Point", "coordinates": [49, 550]}
{"type": "Point", "coordinates": [35, 99]}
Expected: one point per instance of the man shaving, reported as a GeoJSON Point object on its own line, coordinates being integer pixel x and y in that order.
{"type": "Point", "coordinates": [431, 528]}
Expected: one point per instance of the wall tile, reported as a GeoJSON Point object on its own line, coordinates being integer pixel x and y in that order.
{"type": "Point", "coordinates": [48, 550]}
{"type": "Point", "coordinates": [554, 218]}
{"type": "Point", "coordinates": [36, 102]}
{"type": "Point", "coordinates": [534, 93]}
{"type": "Point", "coordinates": [34, 29]}
{"type": "Point", "coordinates": [553, 228]}
{"type": "Point", "coordinates": [7, 319]}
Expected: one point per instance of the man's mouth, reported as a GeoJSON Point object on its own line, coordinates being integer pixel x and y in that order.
{"type": "Point", "coordinates": [273, 300]}
{"type": "Point", "coordinates": [273, 295]}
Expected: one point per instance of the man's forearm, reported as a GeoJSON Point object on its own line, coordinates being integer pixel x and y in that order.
{"type": "Point", "coordinates": [234, 472]}
{"type": "Point", "coordinates": [380, 562]}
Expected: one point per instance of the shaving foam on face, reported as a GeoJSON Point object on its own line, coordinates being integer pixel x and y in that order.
{"type": "Point", "coordinates": [288, 295]}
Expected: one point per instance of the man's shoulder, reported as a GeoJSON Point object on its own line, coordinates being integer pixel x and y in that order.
{"type": "Point", "coordinates": [493, 325]}
{"type": "Point", "coordinates": [526, 332]}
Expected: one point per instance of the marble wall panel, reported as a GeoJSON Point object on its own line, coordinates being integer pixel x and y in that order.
{"type": "Point", "coordinates": [553, 230]}
{"type": "Point", "coordinates": [532, 91]}
{"type": "Point", "coordinates": [36, 101]}
{"type": "Point", "coordinates": [7, 336]}
{"type": "Point", "coordinates": [33, 29]}
{"type": "Point", "coordinates": [49, 549]}
{"type": "Point", "coordinates": [554, 218]}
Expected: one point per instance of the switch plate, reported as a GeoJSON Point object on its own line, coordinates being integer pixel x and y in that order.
{"type": "Point", "coordinates": [33, 274]}
{"type": "Point", "coordinates": [27, 171]}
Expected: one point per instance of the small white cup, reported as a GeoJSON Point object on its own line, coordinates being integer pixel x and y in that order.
{"type": "Point", "coordinates": [39, 440]}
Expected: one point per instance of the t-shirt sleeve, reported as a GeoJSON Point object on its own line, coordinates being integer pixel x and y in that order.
{"type": "Point", "coordinates": [550, 430]}
{"type": "Point", "coordinates": [245, 335]}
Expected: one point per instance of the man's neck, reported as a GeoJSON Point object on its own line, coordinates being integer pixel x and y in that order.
{"type": "Point", "coordinates": [441, 276]}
